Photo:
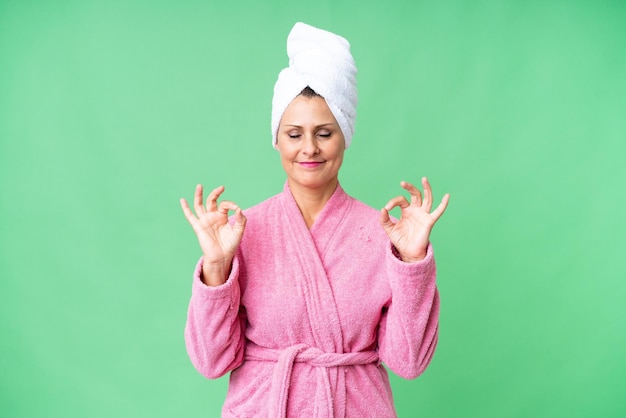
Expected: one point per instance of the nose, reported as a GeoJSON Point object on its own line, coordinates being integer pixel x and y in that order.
{"type": "Point", "coordinates": [309, 147]}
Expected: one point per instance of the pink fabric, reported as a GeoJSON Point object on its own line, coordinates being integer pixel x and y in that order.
{"type": "Point", "coordinates": [307, 316]}
{"type": "Point", "coordinates": [312, 356]}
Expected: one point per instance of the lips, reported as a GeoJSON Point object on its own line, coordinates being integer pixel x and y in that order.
{"type": "Point", "coordinates": [310, 164]}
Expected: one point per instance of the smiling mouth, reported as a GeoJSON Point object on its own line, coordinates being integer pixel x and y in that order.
{"type": "Point", "coordinates": [310, 164]}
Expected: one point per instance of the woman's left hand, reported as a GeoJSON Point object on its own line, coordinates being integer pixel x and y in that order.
{"type": "Point", "coordinates": [411, 234]}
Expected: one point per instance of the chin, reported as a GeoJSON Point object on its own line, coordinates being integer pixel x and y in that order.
{"type": "Point", "coordinates": [315, 184]}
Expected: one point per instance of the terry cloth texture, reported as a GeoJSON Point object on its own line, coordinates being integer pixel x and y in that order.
{"type": "Point", "coordinates": [307, 318]}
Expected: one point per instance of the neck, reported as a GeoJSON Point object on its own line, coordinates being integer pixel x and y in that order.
{"type": "Point", "coordinates": [311, 201]}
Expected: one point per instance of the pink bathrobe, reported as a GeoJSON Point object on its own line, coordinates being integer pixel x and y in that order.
{"type": "Point", "coordinates": [306, 317]}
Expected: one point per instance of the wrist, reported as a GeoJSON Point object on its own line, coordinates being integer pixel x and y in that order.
{"type": "Point", "coordinates": [215, 273]}
{"type": "Point", "coordinates": [408, 258]}
{"type": "Point", "coordinates": [412, 259]}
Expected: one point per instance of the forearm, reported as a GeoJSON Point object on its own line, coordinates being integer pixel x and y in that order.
{"type": "Point", "coordinates": [214, 330]}
{"type": "Point", "coordinates": [409, 329]}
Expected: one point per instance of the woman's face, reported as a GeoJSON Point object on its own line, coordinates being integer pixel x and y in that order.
{"type": "Point", "coordinates": [310, 143]}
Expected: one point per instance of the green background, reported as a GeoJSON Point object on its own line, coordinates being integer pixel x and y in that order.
{"type": "Point", "coordinates": [110, 111]}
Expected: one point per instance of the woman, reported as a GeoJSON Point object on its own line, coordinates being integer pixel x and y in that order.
{"type": "Point", "coordinates": [304, 295]}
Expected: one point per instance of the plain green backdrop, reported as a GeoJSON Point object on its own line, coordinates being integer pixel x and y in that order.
{"type": "Point", "coordinates": [110, 111]}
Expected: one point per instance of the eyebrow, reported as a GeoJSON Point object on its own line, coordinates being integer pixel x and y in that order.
{"type": "Point", "coordinates": [317, 126]}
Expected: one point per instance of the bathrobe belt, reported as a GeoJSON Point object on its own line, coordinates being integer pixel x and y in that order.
{"type": "Point", "coordinates": [315, 357]}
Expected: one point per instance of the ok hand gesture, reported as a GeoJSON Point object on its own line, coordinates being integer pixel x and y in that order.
{"type": "Point", "coordinates": [411, 234]}
{"type": "Point", "coordinates": [218, 239]}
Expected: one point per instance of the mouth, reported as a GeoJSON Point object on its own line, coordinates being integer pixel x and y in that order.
{"type": "Point", "coordinates": [310, 164]}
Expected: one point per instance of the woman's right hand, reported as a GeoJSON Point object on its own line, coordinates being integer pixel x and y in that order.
{"type": "Point", "coordinates": [218, 239]}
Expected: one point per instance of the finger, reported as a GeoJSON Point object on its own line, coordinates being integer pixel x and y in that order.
{"type": "Point", "coordinates": [397, 201]}
{"type": "Point", "coordinates": [441, 208]}
{"type": "Point", "coordinates": [428, 194]}
{"type": "Point", "coordinates": [226, 205]}
{"type": "Point", "coordinates": [385, 220]}
{"type": "Point", "coordinates": [197, 200]}
{"type": "Point", "coordinates": [185, 206]}
{"type": "Point", "coordinates": [240, 221]}
{"type": "Point", "coordinates": [416, 195]}
{"type": "Point", "coordinates": [211, 200]}
{"type": "Point", "coordinates": [187, 211]}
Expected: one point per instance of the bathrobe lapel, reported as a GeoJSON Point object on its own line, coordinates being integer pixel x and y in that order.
{"type": "Point", "coordinates": [307, 249]}
{"type": "Point", "coordinates": [305, 256]}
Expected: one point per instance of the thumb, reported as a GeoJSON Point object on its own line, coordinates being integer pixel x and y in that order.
{"type": "Point", "coordinates": [385, 221]}
{"type": "Point", "coordinates": [240, 221]}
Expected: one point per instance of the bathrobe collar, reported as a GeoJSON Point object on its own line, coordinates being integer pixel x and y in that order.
{"type": "Point", "coordinates": [310, 250]}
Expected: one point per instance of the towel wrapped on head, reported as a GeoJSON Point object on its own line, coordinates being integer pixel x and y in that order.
{"type": "Point", "coordinates": [322, 61]}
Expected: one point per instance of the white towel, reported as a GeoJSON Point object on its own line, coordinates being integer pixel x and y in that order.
{"type": "Point", "coordinates": [322, 61]}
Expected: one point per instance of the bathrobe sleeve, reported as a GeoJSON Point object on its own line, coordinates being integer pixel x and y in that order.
{"type": "Point", "coordinates": [214, 332]}
{"type": "Point", "coordinates": [409, 325]}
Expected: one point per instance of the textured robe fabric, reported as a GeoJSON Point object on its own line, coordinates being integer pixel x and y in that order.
{"type": "Point", "coordinates": [307, 318]}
